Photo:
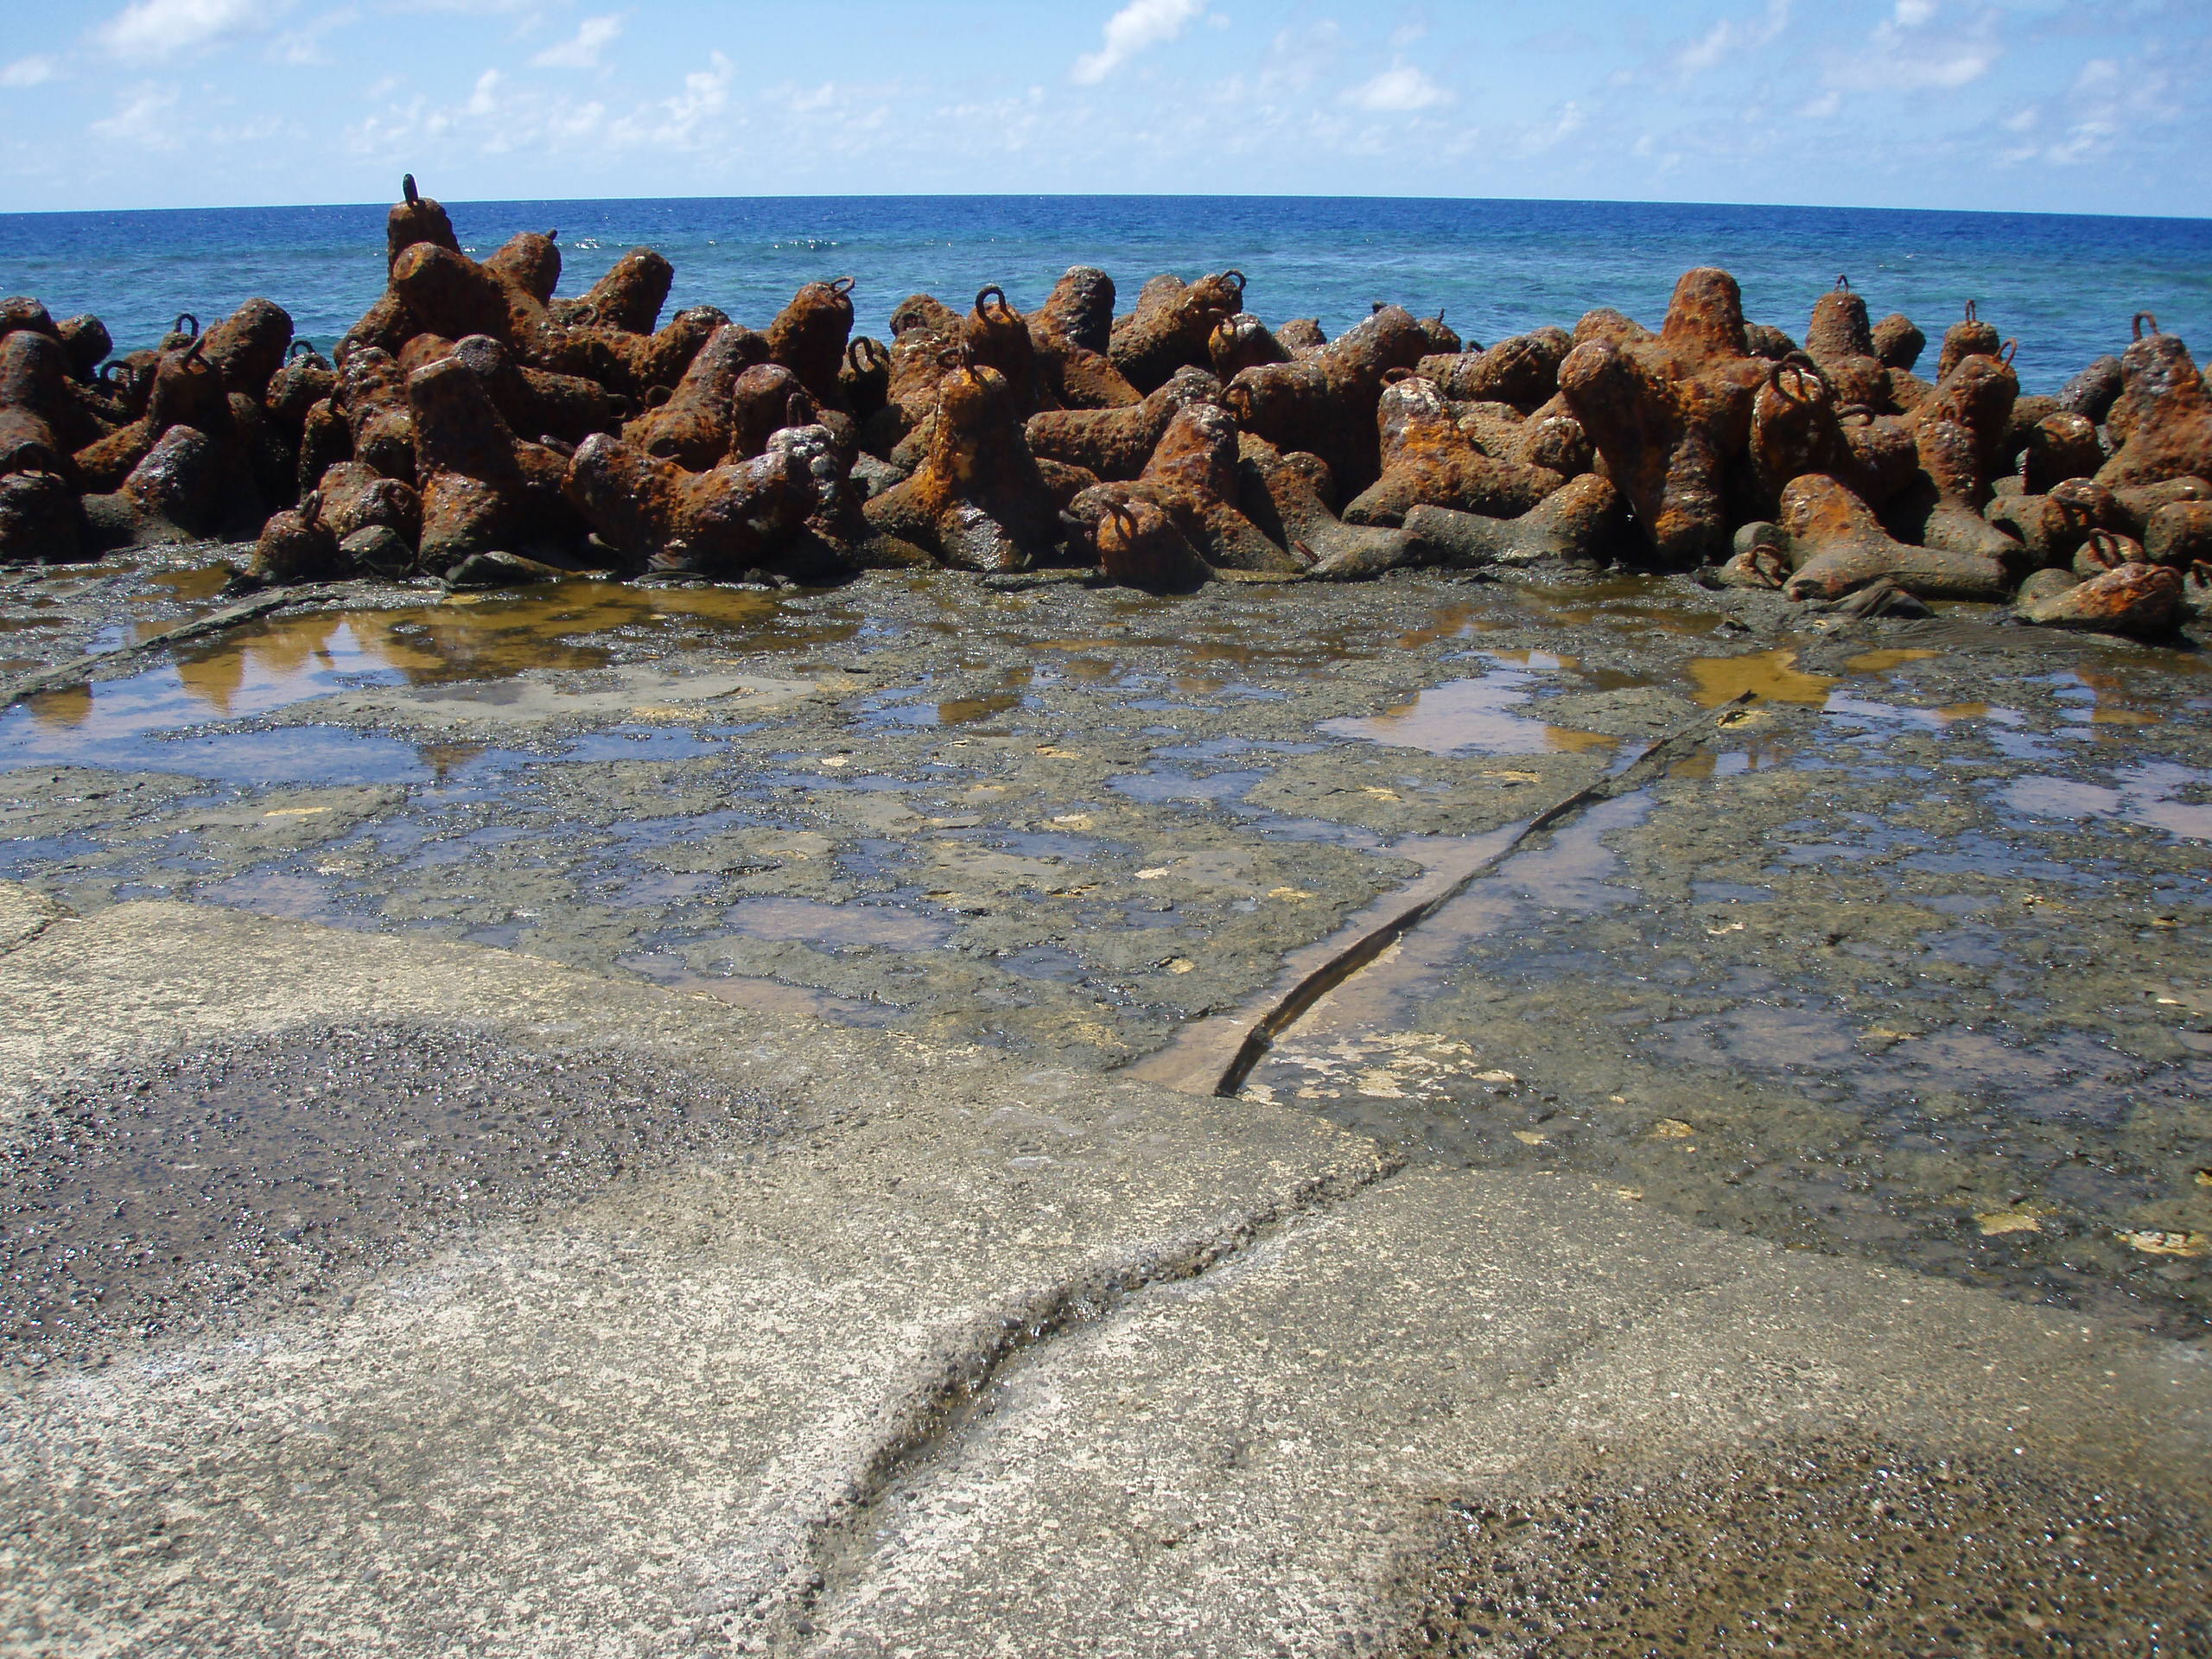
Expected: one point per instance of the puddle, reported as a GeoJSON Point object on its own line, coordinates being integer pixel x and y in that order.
{"type": "Point", "coordinates": [194, 585]}
{"type": "Point", "coordinates": [1929, 719]}
{"type": "Point", "coordinates": [813, 922]}
{"type": "Point", "coordinates": [1475, 716]}
{"type": "Point", "coordinates": [1881, 662]}
{"type": "Point", "coordinates": [2143, 794]}
{"type": "Point", "coordinates": [1772, 674]}
{"type": "Point", "coordinates": [900, 706]}
{"type": "Point", "coordinates": [1638, 602]}
{"type": "Point", "coordinates": [1162, 784]}
{"type": "Point", "coordinates": [460, 656]}
{"type": "Point", "coordinates": [2102, 698]}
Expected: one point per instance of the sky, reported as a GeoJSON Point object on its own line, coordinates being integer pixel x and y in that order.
{"type": "Point", "coordinates": [2042, 105]}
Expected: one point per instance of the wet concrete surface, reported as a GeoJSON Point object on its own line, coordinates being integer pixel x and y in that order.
{"type": "Point", "coordinates": [1907, 965]}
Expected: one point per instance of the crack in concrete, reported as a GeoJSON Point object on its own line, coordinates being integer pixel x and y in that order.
{"type": "Point", "coordinates": [9, 947]}
{"type": "Point", "coordinates": [937, 1420]}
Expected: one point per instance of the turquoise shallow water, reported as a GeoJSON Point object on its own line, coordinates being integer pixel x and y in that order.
{"type": "Point", "coordinates": [2065, 286]}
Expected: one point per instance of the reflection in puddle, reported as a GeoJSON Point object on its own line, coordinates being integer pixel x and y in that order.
{"type": "Point", "coordinates": [287, 659]}
{"type": "Point", "coordinates": [1464, 716]}
{"type": "Point", "coordinates": [1881, 662]}
{"type": "Point", "coordinates": [2101, 698]}
{"type": "Point", "coordinates": [901, 708]}
{"type": "Point", "coordinates": [1638, 602]}
{"type": "Point", "coordinates": [193, 586]}
{"type": "Point", "coordinates": [1931, 719]}
{"type": "Point", "coordinates": [1772, 674]}
{"type": "Point", "coordinates": [2143, 794]}
{"type": "Point", "coordinates": [280, 661]}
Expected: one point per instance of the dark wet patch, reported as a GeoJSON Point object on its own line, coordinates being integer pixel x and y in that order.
{"type": "Point", "coordinates": [1820, 1550]}
{"type": "Point", "coordinates": [161, 1195]}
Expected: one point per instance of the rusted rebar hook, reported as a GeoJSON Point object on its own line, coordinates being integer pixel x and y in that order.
{"type": "Point", "coordinates": [1789, 376]}
{"type": "Point", "coordinates": [2108, 550]}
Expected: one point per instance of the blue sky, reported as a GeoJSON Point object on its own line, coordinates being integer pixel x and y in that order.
{"type": "Point", "coordinates": [2064, 105]}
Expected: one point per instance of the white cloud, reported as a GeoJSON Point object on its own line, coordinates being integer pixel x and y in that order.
{"type": "Point", "coordinates": [593, 35]}
{"type": "Point", "coordinates": [144, 118]}
{"type": "Point", "coordinates": [1819, 109]}
{"type": "Point", "coordinates": [1139, 24]}
{"type": "Point", "coordinates": [1397, 90]}
{"type": "Point", "coordinates": [161, 28]}
{"type": "Point", "coordinates": [305, 45]}
{"type": "Point", "coordinates": [686, 120]}
{"type": "Point", "coordinates": [1537, 140]}
{"type": "Point", "coordinates": [29, 72]}
{"type": "Point", "coordinates": [1898, 60]}
{"type": "Point", "coordinates": [2085, 143]}
{"type": "Point", "coordinates": [1733, 36]}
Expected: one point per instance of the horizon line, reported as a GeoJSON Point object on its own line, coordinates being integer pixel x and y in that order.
{"type": "Point", "coordinates": [1117, 196]}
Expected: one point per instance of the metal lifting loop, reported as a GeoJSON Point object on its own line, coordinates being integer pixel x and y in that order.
{"type": "Point", "coordinates": [841, 286]}
{"type": "Point", "coordinates": [2142, 317]}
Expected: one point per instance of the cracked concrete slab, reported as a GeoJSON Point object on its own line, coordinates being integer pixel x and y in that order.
{"type": "Point", "coordinates": [966, 1356]}
{"type": "Point", "coordinates": [626, 1425]}
{"type": "Point", "coordinates": [24, 915]}
{"type": "Point", "coordinates": [1255, 1461]}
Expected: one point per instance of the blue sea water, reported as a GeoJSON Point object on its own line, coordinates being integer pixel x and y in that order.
{"type": "Point", "coordinates": [2066, 286]}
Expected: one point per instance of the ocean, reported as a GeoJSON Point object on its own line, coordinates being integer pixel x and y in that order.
{"type": "Point", "coordinates": [2066, 286]}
